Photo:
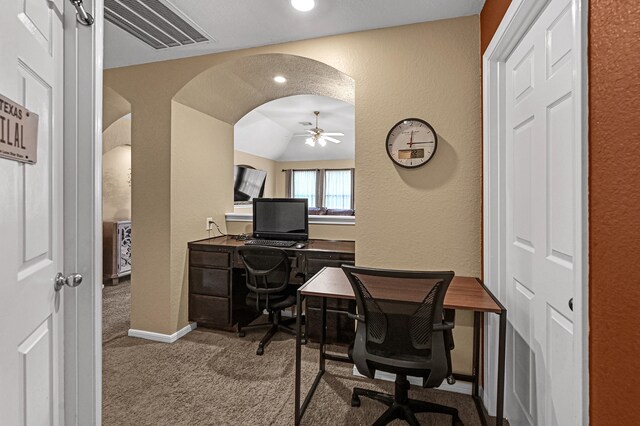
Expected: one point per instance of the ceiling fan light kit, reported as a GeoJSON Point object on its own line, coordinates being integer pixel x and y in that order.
{"type": "Point", "coordinates": [319, 135]}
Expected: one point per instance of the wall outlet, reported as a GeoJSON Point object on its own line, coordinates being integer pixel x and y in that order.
{"type": "Point", "coordinates": [209, 224]}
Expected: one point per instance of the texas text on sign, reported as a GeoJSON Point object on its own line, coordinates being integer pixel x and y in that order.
{"type": "Point", "coordinates": [18, 132]}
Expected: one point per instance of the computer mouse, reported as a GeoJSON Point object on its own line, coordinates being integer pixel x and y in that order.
{"type": "Point", "coordinates": [300, 245]}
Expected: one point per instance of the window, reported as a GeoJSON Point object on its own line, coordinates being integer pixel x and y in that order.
{"type": "Point", "coordinates": [303, 185]}
{"type": "Point", "coordinates": [337, 189]}
{"type": "Point", "coordinates": [330, 188]}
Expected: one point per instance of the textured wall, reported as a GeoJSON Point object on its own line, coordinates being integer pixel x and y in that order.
{"type": "Point", "coordinates": [490, 19]}
{"type": "Point", "coordinates": [114, 107]}
{"type": "Point", "coordinates": [426, 218]}
{"type": "Point", "coordinates": [116, 171]}
{"type": "Point", "coordinates": [151, 289]}
{"type": "Point", "coordinates": [118, 134]}
{"type": "Point", "coordinates": [236, 87]}
{"type": "Point", "coordinates": [200, 152]}
{"type": "Point", "coordinates": [614, 211]}
{"type": "Point", "coordinates": [414, 219]}
{"type": "Point", "coordinates": [116, 184]}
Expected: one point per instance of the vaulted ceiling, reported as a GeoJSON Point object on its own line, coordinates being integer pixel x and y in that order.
{"type": "Point", "coordinates": [268, 131]}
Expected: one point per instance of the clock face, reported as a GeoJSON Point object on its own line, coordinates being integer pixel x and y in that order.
{"type": "Point", "coordinates": [411, 143]}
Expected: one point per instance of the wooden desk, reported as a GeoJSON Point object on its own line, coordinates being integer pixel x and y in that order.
{"type": "Point", "coordinates": [464, 293]}
{"type": "Point", "coordinates": [217, 288]}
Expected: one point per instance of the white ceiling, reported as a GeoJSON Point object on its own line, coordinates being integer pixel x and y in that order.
{"type": "Point", "coordinates": [268, 130]}
{"type": "Point", "coordinates": [239, 24]}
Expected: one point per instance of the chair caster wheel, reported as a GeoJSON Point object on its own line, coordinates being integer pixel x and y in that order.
{"type": "Point", "coordinates": [451, 380]}
{"type": "Point", "coordinates": [456, 421]}
{"type": "Point", "coordinates": [355, 401]}
{"type": "Point", "coordinates": [260, 351]}
{"type": "Point", "coordinates": [241, 334]}
{"type": "Point", "coordinates": [303, 341]}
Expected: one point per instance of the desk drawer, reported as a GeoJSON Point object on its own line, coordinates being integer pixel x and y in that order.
{"type": "Point", "coordinates": [209, 310]}
{"type": "Point", "coordinates": [210, 259]}
{"type": "Point", "coordinates": [212, 282]}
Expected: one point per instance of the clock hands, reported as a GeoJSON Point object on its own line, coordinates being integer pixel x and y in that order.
{"type": "Point", "coordinates": [411, 142]}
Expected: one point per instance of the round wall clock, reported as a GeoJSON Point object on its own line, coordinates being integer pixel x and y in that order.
{"type": "Point", "coordinates": [411, 143]}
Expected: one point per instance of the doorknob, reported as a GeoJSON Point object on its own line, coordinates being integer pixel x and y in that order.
{"type": "Point", "coordinates": [571, 304]}
{"type": "Point", "coordinates": [73, 280]}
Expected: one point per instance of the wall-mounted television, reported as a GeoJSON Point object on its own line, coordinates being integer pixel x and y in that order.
{"type": "Point", "coordinates": [248, 183]}
{"type": "Point", "coordinates": [281, 218]}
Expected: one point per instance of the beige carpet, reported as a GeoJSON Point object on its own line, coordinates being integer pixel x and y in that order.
{"type": "Point", "coordinates": [215, 378]}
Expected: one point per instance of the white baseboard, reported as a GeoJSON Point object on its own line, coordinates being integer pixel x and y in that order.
{"type": "Point", "coordinates": [458, 386]}
{"type": "Point", "coordinates": [159, 337]}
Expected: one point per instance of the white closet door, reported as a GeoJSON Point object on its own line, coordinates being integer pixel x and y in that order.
{"type": "Point", "coordinates": [541, 214]}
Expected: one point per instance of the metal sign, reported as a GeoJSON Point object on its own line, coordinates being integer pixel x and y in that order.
{"type": "Point", "coordinates": [18, 132]}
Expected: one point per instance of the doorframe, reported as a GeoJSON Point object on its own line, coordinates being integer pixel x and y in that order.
{"type": "Point", "coordinates": [518, 19]}
{"type": "Point", "coordinates": [83, 66]}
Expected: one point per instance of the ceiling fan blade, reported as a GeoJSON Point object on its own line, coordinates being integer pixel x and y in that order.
{"type": "Point", "coordinates": [330, 139]}
{"type": "Point", "coordinates": [333, 134]}
{"type": "Point", "coordinates": [306, 135]}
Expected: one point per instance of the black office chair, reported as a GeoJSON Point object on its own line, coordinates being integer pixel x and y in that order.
{"type": "Point", "coordinates": [268, 270]}
{"type": "Point", "coordinates": [403, 337]}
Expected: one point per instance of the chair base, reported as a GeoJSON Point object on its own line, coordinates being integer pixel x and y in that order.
{"type": "Point", "coordinates": [401, 407]}
{"type": "Point", "coordinates": [275, 324]}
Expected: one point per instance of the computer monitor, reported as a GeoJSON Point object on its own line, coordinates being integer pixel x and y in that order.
{"type": "Point", "coordinates": [281, 218]}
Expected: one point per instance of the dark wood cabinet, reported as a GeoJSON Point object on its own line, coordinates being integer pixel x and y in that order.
{"type": "Point", "coordinates": [213, 299]}
{"type": "Point", "coordinates": [217, 289]}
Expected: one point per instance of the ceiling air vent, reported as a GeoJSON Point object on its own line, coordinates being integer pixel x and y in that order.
{"type": "Point", "coordinates": [152, 22]}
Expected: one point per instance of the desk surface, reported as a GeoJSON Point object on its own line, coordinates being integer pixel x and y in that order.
{"type": "Point", "coordinates": [311, 245]}
{"type": "Point", "coordinates": [466, 293]}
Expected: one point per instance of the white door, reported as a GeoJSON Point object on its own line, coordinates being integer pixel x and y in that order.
{"type": "Point", "coordinates": [541, 215]}
{"type": "Point", "coordinates": [31, 218]}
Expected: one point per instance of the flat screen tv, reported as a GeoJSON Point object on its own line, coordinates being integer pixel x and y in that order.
{"type": "Point", "coordinates": [248, 183]}
{"type": "Point", "coordinates": [281, 218]}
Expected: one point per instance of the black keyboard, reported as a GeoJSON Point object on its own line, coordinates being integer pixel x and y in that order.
{"type": "Point", "coordinates": [270, 243]}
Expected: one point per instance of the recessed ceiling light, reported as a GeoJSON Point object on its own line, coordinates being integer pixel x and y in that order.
{"type": "Point", "coordinates": [303, 5]}
{"type": "Point", "coordinates": [279, 79]}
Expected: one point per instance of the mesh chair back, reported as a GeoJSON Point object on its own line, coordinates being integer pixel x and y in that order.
{"type": "Point", "coordinates": [400, 309]}
{"type": "Point", "coordinates": [268, 269]}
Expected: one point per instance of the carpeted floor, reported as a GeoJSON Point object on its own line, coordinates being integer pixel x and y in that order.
{"type": "Point", "coordinates": [215, 378]}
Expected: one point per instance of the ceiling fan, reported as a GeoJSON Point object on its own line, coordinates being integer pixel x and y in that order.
{"type": "Point", "coordinates": [318, 135]}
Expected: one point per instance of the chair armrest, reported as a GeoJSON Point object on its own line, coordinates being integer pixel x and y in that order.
{"type": "Point", "coordinates": [356, 317]}
{"type": "Point", "coordinates": [443, 326]}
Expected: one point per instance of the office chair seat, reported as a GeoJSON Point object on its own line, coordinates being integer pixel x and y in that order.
{"type": "Point", "coordinates": [275, 303]}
